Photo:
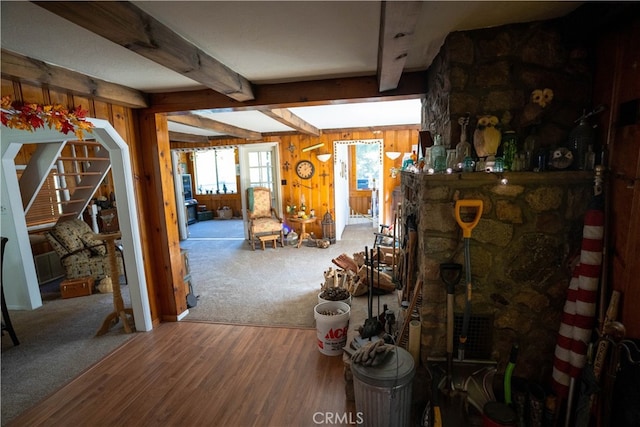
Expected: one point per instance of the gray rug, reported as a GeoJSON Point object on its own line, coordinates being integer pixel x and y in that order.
{"type": "Point", "coordinates": [277, 287]}
{"type": "Point", "coordinates": [57, 343]}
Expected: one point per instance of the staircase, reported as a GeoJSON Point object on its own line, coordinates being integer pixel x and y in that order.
{"type": "Point", "coordinates": [81, 170]}
{"type": "Point", "coordinates": [80, 167]}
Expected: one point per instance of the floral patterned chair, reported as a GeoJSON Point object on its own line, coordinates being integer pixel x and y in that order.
{"type": "Point", "coordinates": [80, 254]}
{"type": "Point", "coordinates": [263, 218]}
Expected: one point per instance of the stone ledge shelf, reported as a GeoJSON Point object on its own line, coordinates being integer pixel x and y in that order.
{"type": "Point", "coordinates": [513, 177]}
{"type": "Point", "coordinates": [520, 252]}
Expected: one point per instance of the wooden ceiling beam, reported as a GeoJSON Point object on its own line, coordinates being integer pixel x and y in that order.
{"type": "Point", "coordinates": [223, 128]}
{"type": "Point", "coordinates": [24, 69]}
{"type": "Point", "coordinates": [398, 22]}
{"type": "Point", "coordinates": [295, 94]}
{"type": "Point", "coordinates": [287, 118]}
{"type": "Point", "coordinates": [130, 27]}
{"type": "Point", "coordinates": [187, 137]}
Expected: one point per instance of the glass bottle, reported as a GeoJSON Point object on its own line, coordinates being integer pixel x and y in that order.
{"type": "Point", "coordinates": [428, 160]}
{"type": "Point", "coordinates": [590, 159]}
{"type": "Point", "coordinates": [469, 164]}
{"type": "Point", "coordinates": [498, 165]}
{"type": "Point", "coordinates": [530, 149]}
{"type": "Point", "coordinates": [541, 164]}
{"type": "Point", "coordinates": [509, 148]}
{"type": "Point", "coordinates": [580, 138]}
{"type": "Point", "coordinates": [451, 160]}
{"type": "Point", "coordinates": [406, 161]}
{"type": "Point", "coordinates": [463, 150]}
{"type": "Point", "coordinates": [438, 155]}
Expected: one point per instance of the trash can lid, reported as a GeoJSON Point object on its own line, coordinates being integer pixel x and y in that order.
{"type": "Point", "coordinates": [397, 370]}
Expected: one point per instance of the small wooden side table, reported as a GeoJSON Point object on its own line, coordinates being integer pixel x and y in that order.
{"type": "Point", "coordinates": [120, 312]}
{"type": "Point", "coordinates": [303, 223]}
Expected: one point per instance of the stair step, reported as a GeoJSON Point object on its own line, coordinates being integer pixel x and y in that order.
{"type": "Point", "coordinates": [77, 187]}
{"type": "Point", "coordinates": [83, 159]}
{"type": "Point", "coordinates": [70, 202]}
{"type": "Point", "coordinates": [84, 143]}
{"type": "Point", "coordinates": [76, 173]}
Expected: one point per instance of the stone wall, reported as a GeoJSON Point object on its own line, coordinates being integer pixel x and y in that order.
{"type": "Point", "coordinates": [520, 251]}
{"type": "Point", "coordinates": [521, 247]}
{"type": "Point", "coordinates": [494, 71]}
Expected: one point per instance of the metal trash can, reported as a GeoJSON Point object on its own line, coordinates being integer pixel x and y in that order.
{"type": "Point", "coordinates": [383, 392]}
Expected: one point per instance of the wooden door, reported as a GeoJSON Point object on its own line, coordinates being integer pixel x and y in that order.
{"type": "Point", "coordinates": [618, 87]}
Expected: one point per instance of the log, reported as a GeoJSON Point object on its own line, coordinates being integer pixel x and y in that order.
{"type": "Point", "coordinates": [345, 262]}
{"type": "Point", "coordinates": [385, 282]}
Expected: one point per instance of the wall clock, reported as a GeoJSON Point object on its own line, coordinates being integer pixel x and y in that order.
{"type": "Point", "coordinates": [305, 169]}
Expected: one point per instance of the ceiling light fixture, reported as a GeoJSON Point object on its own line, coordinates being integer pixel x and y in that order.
{"type": "Point", "coordinates": [323, 157]}
{"type": "Point", "coordinates": [313, 147]}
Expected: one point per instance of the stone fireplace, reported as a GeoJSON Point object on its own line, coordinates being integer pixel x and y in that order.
{"type": "Point", "coordinates": [530, 227]}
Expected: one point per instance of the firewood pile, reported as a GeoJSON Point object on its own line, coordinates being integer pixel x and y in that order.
{"type": "Point", "coordinates": [353, 275]}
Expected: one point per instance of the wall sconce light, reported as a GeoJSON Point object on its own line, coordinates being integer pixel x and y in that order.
{"type": "Point", "coordinates": [392, 154]}
{"type": "Point", "coordinates": [312, 147]}
{"type": "Point", "coordinates": [323, 157]}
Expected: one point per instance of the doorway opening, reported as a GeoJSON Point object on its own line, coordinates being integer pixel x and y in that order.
{"type": "Point", "coordinates": [357, 180]}
{"type": "Point", "coordinates": [215, 200]}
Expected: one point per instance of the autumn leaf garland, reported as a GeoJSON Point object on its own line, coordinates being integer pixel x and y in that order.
{"type": "Point", "coordinates": [18, 115]}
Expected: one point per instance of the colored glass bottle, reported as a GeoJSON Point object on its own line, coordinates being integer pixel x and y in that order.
{"type": "Point", "coordinates": [509, 148]}
{"type": "Point", "coordinates": [439, 155]}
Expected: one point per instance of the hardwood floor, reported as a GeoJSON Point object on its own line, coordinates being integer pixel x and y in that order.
{"type": "Point", "coordinates": [200, 374]}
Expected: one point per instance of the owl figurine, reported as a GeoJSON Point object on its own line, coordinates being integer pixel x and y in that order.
{"type": "Point", "coordinates": [487, 137]}
{"type": "Point", "coordinates": [561, 158]}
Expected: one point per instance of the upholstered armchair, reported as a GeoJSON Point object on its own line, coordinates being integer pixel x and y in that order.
{"type": "Point", "coordinates": [80, 254]}
{"type": "Point", "coordinates": [263, 218]}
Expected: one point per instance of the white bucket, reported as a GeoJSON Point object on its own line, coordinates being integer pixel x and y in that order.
{"type": "Point", "coordinates": [331, 330]}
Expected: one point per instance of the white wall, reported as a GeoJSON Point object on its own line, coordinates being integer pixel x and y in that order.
{"type": "Point", "coordinates": [341, 187]}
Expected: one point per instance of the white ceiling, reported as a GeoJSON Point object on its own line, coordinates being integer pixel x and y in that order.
{"type": "Point", "coordinates": [265, 42]}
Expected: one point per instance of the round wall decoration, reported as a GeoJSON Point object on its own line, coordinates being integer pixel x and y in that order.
{"type": "Point", "coordinates": [305, 169]}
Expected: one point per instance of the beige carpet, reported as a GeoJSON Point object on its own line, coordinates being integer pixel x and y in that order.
{"type": "Point", "coordinates": [277, 287]}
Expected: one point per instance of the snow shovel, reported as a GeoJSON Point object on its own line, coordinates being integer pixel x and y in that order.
{"type": "Point", "coordinates": [467, 227]}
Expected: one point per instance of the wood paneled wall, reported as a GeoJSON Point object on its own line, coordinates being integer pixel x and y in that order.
{"type": "Point", "coordinates": [617, 85]}
{"type": "Point", "coordinates": [320, 195]}
{"type": "Point", "coordinates": [124, 120]}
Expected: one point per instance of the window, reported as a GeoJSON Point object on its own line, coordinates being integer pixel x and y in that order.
{"type": "Point", "coordinates": [367, 166]}
{"type": "Point", "coordinates": [45, 209]}
{"type": "Point", "coordinates": [216, 171]}
{"type": "Point", "coordinates": [260, 169]}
